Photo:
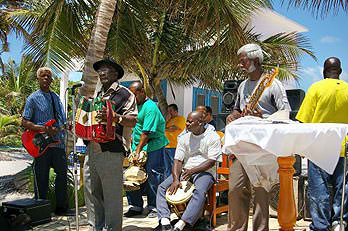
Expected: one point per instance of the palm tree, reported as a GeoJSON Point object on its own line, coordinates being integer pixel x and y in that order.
{"type": "Point", "coordinates": [17, 84]}
{"type": "Point", "coordinates": [181, 41]}
{"type": "Point", "coordinates": [7, 25]}
{"type": "Point", "coordinates": [9, 128]}
{"type": "Point", "coordinates": [192, 42]}
{"type": "Point", "coordinates": [97, 44]}
{"type": "Point", "coordinates": [322, 7]}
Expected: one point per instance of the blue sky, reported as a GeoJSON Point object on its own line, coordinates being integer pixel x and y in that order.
{"type": "Point", "coordinates": [327, 36]}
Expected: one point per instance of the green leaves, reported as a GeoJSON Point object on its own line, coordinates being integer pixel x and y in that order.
{"type": "Point", "coordinates": [320, 7]}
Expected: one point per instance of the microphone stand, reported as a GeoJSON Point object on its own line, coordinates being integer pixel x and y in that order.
{"type": "Point", "coordinates": [75, 159]}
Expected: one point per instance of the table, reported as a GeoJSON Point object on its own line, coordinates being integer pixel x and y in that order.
{"type": "Point", "coordinates": [269, 143]}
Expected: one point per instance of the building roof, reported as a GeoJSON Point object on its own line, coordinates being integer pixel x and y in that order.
{"type": "Point", "coordinates": [267, 23]}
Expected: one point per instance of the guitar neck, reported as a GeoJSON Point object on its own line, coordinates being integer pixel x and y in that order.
{"type": "Point", "coordinates": [254, 99]}
{"type": "Point", "coordinates": [264, 83]}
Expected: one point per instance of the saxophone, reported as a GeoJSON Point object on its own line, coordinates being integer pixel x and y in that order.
{"type": "Point", "coordinates": [264, 83]}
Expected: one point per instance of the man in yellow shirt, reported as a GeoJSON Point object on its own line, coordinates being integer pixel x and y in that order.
{"type": "Point", "coordinates": [175, 124]}
{"type": "Point", "coordinates": [326, 102]}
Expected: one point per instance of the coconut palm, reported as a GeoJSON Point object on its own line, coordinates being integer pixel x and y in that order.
{"type": "Point", "coordinates": [322, 7]}
{"type": "Point", "coordinates": [17, 82]}
{"type": "Point", "coordinates": [59, 30]}
{"type": "Point", "coordinates": [9, 128]}
{"type": "Point", "coordinates": [181, 41]}
{"type": "Point", "coordinates": [192, 42]}
{"type": "Point", "coordinates": [97, 44]}
{"type": "Point", "coordinates": [7, 25]}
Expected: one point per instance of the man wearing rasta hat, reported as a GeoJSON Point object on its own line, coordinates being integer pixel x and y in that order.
{"type": "Point", "coordinates": [104, 161]}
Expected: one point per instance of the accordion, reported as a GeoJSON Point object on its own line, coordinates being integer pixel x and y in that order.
{"type": "Point", "coordinates": [88, 127]}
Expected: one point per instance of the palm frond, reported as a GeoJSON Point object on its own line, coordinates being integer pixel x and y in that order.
{"type": "Point", "coordinates": [320, 7]}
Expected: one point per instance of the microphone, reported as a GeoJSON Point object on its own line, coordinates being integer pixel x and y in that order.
{"type": "Point", "coordinates": [80, 84]}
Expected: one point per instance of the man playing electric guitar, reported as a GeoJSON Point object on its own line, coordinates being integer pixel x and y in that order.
{"type": "Point", "coordinates": [40, 107]}
{"type": "Point", "coordinates": [262, 103]}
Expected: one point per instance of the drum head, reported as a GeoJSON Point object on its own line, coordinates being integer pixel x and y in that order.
{"type": "Point", "coordinates": [182, 195]}
{"type": "Point", "coordinates": [135, 174]}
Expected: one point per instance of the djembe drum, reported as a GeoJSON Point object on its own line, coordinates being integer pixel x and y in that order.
{"type": "Point", "coordinates": [88, 127]}
{"type": "Point", "coordinates": [178, 201]}
{"type": "Point", "coordinates": [135, 174]}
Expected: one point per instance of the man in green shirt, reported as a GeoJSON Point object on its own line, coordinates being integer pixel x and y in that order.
{"type": "Point", "coordinates": [148, 135]}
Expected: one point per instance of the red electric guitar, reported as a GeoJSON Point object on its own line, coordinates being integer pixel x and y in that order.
{"type": "Point", "coordinates": [37, 142]}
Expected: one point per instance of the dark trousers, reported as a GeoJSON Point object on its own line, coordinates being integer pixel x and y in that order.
{"type": "Point", "coordinates": [55, 158]}
{"type": "Point", "coordinates": [155, 175]}
{"type": "Point", "coordinates": [169, 154]}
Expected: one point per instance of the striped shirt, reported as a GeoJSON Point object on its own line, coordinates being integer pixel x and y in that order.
{"type": "Point", "coordinates": [39, 110]}
{"type": "Point", "coordinates": [125, 102]}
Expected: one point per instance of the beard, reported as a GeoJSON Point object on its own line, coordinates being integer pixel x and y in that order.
{"type": "Point", "coordinates": [252, 67]}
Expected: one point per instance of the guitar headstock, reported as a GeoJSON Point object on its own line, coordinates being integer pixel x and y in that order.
{"type": "Point", "coordinates": [271, 76]}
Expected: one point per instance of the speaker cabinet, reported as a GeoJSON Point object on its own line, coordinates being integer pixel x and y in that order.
{"type": "Point", "coordinates": [295, 98]}
{"type": "Point", "coordinates": [229, 94]}
{"type": "Point", "coordinates": [298, 193]}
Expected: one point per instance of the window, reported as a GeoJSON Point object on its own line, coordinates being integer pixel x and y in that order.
{"type": "Point", "coordinates": [214, 104]}
{"type": "Point", "coordinates": [200, 100]}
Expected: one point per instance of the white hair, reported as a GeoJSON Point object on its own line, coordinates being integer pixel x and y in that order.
{"type": "Point", "coordinates": [43, 69]}
{"type": "Point", "coordinates": [252, 51]}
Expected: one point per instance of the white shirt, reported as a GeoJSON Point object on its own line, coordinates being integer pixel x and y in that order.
{"type": "Point", "coordinates": [194, 150]}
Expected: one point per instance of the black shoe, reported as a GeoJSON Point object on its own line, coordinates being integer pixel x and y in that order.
{"type": "Point", "coordinates": [176, 229]}
{"type": "Point", "coordinates": [132, 213]}
{"type": "Point", "coordinates": [167, 228]}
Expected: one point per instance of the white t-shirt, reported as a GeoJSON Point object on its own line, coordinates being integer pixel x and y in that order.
{"type": "Point", "coordinates": [272, 99]}
{"type": "Point", "coordinates": [194, 150]}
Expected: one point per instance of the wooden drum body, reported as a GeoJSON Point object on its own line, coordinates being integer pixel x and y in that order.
{"type": "Point", "coordinates": [178, 201]}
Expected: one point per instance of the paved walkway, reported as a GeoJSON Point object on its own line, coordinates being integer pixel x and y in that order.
{"type": "Point", "coordinates": [142, 223]}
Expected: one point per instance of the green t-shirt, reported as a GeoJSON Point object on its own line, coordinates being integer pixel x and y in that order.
{"type": "Point", "coordinates": [326, 101]}
{"type": "Point", "coordinates": [150, 120]}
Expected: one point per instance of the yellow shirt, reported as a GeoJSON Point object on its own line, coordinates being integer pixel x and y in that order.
{"type": "Point", "coordinates": [178, 121]}
{"type": "Point", "coordinates": [326, 101]}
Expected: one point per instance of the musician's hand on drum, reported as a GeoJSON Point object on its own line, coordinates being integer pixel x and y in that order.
{"type": "Point", "coordinates": [187, 174]}
{"type": "Point", "coordinates": [174, 187]}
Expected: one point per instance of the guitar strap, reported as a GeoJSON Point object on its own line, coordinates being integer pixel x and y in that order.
{"type": "Point", "coordinates": [54, 108]}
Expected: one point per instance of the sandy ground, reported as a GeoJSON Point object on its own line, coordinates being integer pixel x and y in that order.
{"type": "Point", "coordinates": [13, 161]}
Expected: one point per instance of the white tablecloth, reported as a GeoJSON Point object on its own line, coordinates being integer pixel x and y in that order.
{"type": "Point", "coordinates": [258, 144]}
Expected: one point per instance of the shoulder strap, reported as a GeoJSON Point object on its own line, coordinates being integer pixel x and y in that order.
{"type": "Point", "coordinates": [54, 108]}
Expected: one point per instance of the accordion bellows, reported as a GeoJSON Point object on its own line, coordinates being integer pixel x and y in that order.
{"type": "Point", "coordinates": [88, 127]}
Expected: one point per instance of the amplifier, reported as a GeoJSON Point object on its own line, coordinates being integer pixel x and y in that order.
{"type": "Point", "coordinates": [39, 211]}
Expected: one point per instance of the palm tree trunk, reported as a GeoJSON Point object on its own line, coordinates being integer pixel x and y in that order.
{"type": "Point", "coordinates": [97, 45]}
{"type": "Point", "coordinates": [2, 65]}
{"type": "Point", "coordinates": [162, 99]}
{"type": "Point", "coordinates": [156, 85]}
{"type": "Point", "coordinates": [95, 52]}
